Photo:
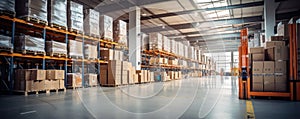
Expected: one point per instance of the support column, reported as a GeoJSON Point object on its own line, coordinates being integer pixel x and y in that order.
{"type": "Point", "coordinates": [134, 37]}
{"type": "Point", "coordinates": [269, 18]}
{"type": "Point", "coordinates": [232, 60]}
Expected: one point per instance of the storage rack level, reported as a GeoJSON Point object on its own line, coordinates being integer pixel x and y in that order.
{"type": "Point", "coordinates": [24, 25]}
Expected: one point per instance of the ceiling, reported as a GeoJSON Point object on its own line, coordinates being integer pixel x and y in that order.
{"type": "Point", "coordinates": [198, 21]}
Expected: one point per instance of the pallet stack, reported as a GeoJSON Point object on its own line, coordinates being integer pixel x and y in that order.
{"type": "Point", "coordinates": [8, 7]}
{"type": "Point", "coordinates": [75, 49]}
{"type": "Point", "coordinates": [269, 67]}
{"type": "Point", "coordinates": [55, 79]}
{"type": "Point", "coordinates": [29, 44]}
{"type": "Point", "coordinates": [74, 80]}
{"type": "Point", "coordinates": [75, 17]}
{"type": "Point", "coordinates": [30, 10]}
{"type": "Point", "coordinates": [120, 32]}
{"type": "Point", "coordinates": [54, 48]}
{"type": "Point", "coordinates": [5, 43]}
{"type": "Point", "coordinates": [91, 22]}
{"type": "Point", "coordinates": [106, 27]}
{"type": "Point", "coordinates": [57, 13]}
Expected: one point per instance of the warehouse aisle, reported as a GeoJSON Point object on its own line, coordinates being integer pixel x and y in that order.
{"type": "Point", "coordinates": [208, 97]}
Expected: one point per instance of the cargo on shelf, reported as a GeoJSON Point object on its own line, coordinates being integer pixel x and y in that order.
{"type": "Point", "coordinates": [57, 13]}
{"type": "Point", "coordinates": [29, 43]}
{"type": "Point", "coordinates": [109, 54]}
{"type": "Point", "coordinates": [114, 72]}
{"type": "Point", "coordinates": [120, 32]}
{"type": "Point", "coordinates": [277, 53]}
{"type": "Point", "coordinates": [173, 46]}
{"type": "Point", "coordinates": [90, 51]}
{"type": "Point", "coordinates": [29, 80]}
{"type": "Point", "coordinates": [5, 42]}
{"type": "Point", "coordinates": [166, 44]}
{"type": "Point", "coordinates": [75, 16]}
{"type": "Point", "coordinates": [54, 47]}
{"type": "Point", "coordinates": [55, 74]}
{"type": "Point", "coordinates": [74, 80]}
{"type": "Point", "coordinates": [106, 27]}
{"type": "Point", "coordinates": [124, 72]}
{"type": "Point", "coordinates": [91, 22]}
{"type": "Point", "coordinates": [144, 41]}
{"type": "Point", "coordinates": [8, 6]}
{"type": "Point", "coordinates": [32, 10]}
{"type": "Point", "coordinates": [155, 41]}
{"type": "Point", "coordinates": [91, 79]}
{"type": "Point", "coordinates": [75, 49]}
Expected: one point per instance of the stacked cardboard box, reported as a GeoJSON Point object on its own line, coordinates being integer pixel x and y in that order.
{"type": "Point", "coordinates": [120, 32]}
{"type": "Point", "coordinates": [54, 47]}
{"type": "Point", "coordinates": [26, 42]}
{"type": "Point", "coordinates": [282, 29]}
{"type": "Point", "coordinates": [30, 80]}
{"type": "Point", "coordinates": [106, 27]}
{"type": "Point", "coordinates": [125, 72]}
{"type": "Point", "coordinates": [257, 53]}
{"type": "Point", "coordinates": [32, 8]}
{"type": "Point", "coordinates": [109, 54]}
{"type": "Point", "coordinates": [90, 51]}
{"type": "Point", "coordinates": [55, 79]}
{"type": "Point", "coordinates": [103, 74]}
{"type": "Point", "coordinates": [75, 15]}
{"type": "Point", "coordinates": [155, 41]}
{"type": "Point", "coordinates": [173, 46]}
{"type": "Point", "coordinates": [132, 74]}
{"type": "Point", "coordinates": [57, 12]}
{"type": "Point", "coordinates": [74, 80]}
{"type": "Point", "coordinates": [91, 79]}
{"type": "Point", "coordinates": [91, 22]}
{"type": "Point", "coordinates": [114, 76]}
{"type": "Point", "coordinates": [144, 41]}
{"type": "Point", "coordinates": [173, 62]}
{"type": "Point", "coordinates": [75, 48]}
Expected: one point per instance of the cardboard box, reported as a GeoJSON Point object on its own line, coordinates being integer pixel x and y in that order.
{"type": "Point", "coordinates": [103, 74]}
{"type": "Point", "coordinates": [257, 50]}
{"type": "Point", "coordinates": [55, 74]}
{"type": "Point", "coordinates": [55, 84]}
{"type": "Point", "coordinates": [257, 86]}
{"type": "Point", "coordinates": [281, 67]}
{"type": "Point", "coordinates": [74, 80]}
{"type": "Point", "coordinates": [37, 74]}
{"type": "Point", "coordinates": [258, 78]}
{"type": "Point", "coordinates": [61, 84]}
{"type": "Point", "coordinates": [48, 84]}
{"type": "Point", "coordinates": [270, 44]}
{"type": "Point", "coordinates": [278, 53]}
{"type": "Point", "coordinates": [120, 32]}
{"type": "Point", "coordinates": [90, 79]}
{"type": "Point", "coordinates": [258, 57]}
{"type": "Point", "coordinates": [106, 27]}
{"type": "Point", "coordinates": [26, 85]}
{"type": "Point", "coordinates": [269, 67]}
{"type": "Point", "coordinates": [257, 67]}
{"type": "Point", "coordinates": [281, 82]}
{"type": "Point", "coordinates": [107, 54]}
{"type": "Point", "coordinates": [269, 82]}
{"type": "Point", "coordinates": [277, 38]}
{"type": "Point", "coordinates": [114, 72]}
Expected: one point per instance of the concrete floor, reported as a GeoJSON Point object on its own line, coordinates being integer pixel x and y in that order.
{"type": "Point", "coordinates": [193, 98]}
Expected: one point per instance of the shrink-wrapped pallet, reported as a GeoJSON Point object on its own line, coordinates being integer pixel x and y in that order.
{"type": "Point", "coordinates": [90, 79]}
{"type": "Point", "coordinates": [75, 48]}
{"type": "Point", "coordinates": [91, 22]}
{"type": "Point", "coordinates": [7, 6]}
{"type": "Point", "coordinates": [5, 42]}
{"type": "Point", "coordinates": [75, 16]}
{"type": "Point", "coordinates": [120, 32]}
{"type": "Point", "coordinates": [106, 27]}
{"type": "Point", "coordinates": [144, 41]}
{"type": "Point", "coordinates": [74, 80]}
{"type": "Point", "coordinates": [57, 12]}
{"type": "Point", "coordinates": [155, 41]}
{"type": "Point", "coordinates": [90, 51]}
{"type": "Point", "coordinates": [29, 43]}
{"type": "Point", "coordinates": [166, 44]}
{"type": "Point", "coordinates": [54, 47]}
{"type": "Point", "coordinates": [36, 9]}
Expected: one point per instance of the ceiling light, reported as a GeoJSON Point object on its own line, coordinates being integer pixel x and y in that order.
{"type": "Point", "coordinates": [144, 14]}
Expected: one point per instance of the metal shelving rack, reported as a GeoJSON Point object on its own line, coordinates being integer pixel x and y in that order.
{"type": "Point", "coordinates": [24, 25]}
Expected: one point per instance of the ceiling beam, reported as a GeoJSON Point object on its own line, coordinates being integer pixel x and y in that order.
{"type": "Point", "coordinates": [126, 4]}
{"type": "Point", "coordinates": [169, 14]}
{"type": "Point", "coordinates": [214, 22]}
{"type": "Point", "coordinates": [215, 36]}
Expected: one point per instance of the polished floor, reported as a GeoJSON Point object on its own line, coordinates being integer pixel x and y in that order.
{"type": "Point", "coordinates": [212, 97]}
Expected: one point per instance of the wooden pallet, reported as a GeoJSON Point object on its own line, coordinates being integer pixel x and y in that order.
{"type": "Point", "coordinates": [75, 57]}
{"type": "Point", "coordinates": [53, 25]}
{"type": "Point", "coordinates": [55, 90]}
{"type": "Point", "coordinates": [34, 20]}
{"type": "Point", "coordinates": [89, 58]}
{"type": "Point", "coordinates": [28, 92]}
{"type": "Point", "coordinates": [7, 13]}
{"type": "Point", "coordinates": [25, 52]}
{"type": "Point", "coordinates": [74, 88]}
{"type": "Point", "coordinates": [75, 31]}
{"type": "Point", "coordinates": [92, 35]}
{"type": "Point", "coordinates": [6, 49]}
{"type": "Point", "coordinates": [57, 54]}
{"type": "Point", "coordinates": [109, 85]}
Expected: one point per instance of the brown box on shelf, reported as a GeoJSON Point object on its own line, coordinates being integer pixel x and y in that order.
{"type": "Point", "coordinates": [107, 54]}
{"type": "Point", "coordinates": [74, 80]}
{"type": "Point", "coordinates": [270, 44]}
{"type": "Point", "coordinates": [258, 57]}
{"type": "Point", "coordinates": [257, 50]}
{"type": "Point", "coordinates": [120, 32]}
{"type": "Point", "coordinates": [269, 82]}
{"type": "Point", "coordinates": [257, 67]}
{"type": "Point", "coordinates": [55, 74]}
{"type": "Point", "coordinates": [61, 84]}
{"type": "Point", "coordinates": [257, 86]}
{"type": "Point", "coordinates": [103, 74]}
{"type": "Point", "coordinates": [278, 53]}
{"type": "Point", "coordinates": [257, 78]}
{"type": "Point", "coordinates": [281, 82]}
{"type": "Point", "coordinates": [48, 84]}
{"type": "Point", "coordinates": [280, 67]}
{"type": "Point", "coordinates": [90, 79]}
{"type": "Point", "coordinates": [37, 74]}
{"type": "Point", "coordinates": [269, 67]}
{"type": "Point", "coordinates": [114, 72]}
{"type": "Point", "coordinates": [55, 84]}
{"type": "Point", "coordinates": [26, 85]}
{"type": "Point", "coordinates": [140, 76]}
{"type": "Point", "coordinates": [124, 76]}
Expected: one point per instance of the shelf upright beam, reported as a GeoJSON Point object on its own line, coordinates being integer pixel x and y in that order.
{"type": "Point", "coordinates": [11, 63]}
{"type": "Point", "coordinates": [98, 63]}
{"type": "Point", "coordinates": [66, 61]}
{"type": "Point", "coordinates": [82, 63]}
{"type": "Point", "coordinates": [44, 37]}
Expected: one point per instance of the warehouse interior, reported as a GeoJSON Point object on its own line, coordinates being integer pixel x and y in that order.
{"type": "Point", "coordinates": [188, 59]}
